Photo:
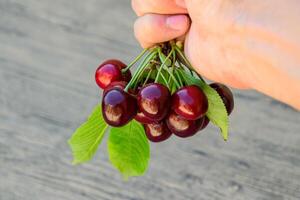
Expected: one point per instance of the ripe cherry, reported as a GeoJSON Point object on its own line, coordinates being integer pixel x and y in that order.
{"type": "Point", "coordinates": [118, 107]}
{"type": "Point", "coordinates": [157, 132]}
{"type": "Point", "coordinates": [140, 117]}
{"type": "Point", "coordinates": [226, 96]}
{"type": "Point", "coordinates": [205, 123]}
{"type": "Point", "coordinates": [183, 127]}
{"type": "Point", "coordinates": [190, 102]}
{"type": "Point", "coordinates": [111, 71]}
{"type": "Point", "coordinates": [117, 84]}
{"type": "Point", "coordinates": [154, 101]}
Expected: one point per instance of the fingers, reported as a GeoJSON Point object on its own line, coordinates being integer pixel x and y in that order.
{"type": "Point", "coordinates": [215, 58]}
{"type": "Point", "coordinates": [152, 28]}
{"type": "Point", "coordinates": [141, 7]}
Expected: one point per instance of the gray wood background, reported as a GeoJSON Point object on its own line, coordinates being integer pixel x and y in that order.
{"type": "Point", "coordinates": [49, 50]}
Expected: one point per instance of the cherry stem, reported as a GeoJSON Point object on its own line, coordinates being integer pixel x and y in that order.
{"type": "Point", "coordinates": [141, 67]}
{"type": "Point", "coordinates": [173, 77]}
{"type": "Point", "coordinates": [135, 60]}
{"type": "Point", "coordinates": [189, 66]}
{"type": "Point", "coordinates": [163, 64]}
{"type": "Point", "coordinates": [179, 78]}
{"type": "Point", "coordinates": [170, 78]}
{"type": "Point", "coordinates": [147, 78]}
{"type": "Point", "coordinates": [164, 79]}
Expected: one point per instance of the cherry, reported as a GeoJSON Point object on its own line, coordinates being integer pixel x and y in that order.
{"type": "Point", "coordinates": [157, 132]}
{"type": "Point", "coordinates": [140, 117]}
{"type": "Point", "coordinates": [205, 123]}
{"type": "Point", "coordinates": [125, 76]}
{"type": "Point", "coordinates": [118, 107]}
{"type": "Point", "coordinates": [226, 96]}
{"type": "Point", "coordinates": [183, 127]}
{"type": "Point", "coordinates": [117, 84]}
{"type": "Point", "coordinates": [190, 102]}
{"type": "Point", "coordinates": [154, 101]}
{"type": "Point", "coordinates": [139, 87]}
{"type": "Point", "coordinates": [109, 72]}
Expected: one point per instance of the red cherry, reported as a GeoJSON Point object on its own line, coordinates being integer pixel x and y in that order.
{"type": "Point", "coordinates": [157, 132]}
{"type": "Point", "coordinates": [140, 117]}
{"type": "Point", "coordinates": [154, 101]}
{"type": "Point", "coordinates": [205, 123]}
{"type": "Point", "coordinates": [183, 127]}
{"type": "Point", "coordinates": [226, 96]}
{"type": "Point", "coordinates": [190, 102]}
{"type": "Point", "coordinates": [111, 71]}
{"type": "Point", "coordinates": [118, 107]}
{"type": "Point", "coordinates": [126, 76]}
{"type": "Point", "coordinates": [117, 84]}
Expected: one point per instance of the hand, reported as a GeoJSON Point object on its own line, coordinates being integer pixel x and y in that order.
{"type": "Point", "coordinates": [249, 44]}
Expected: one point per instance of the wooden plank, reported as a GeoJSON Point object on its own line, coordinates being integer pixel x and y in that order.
{"type": "Point", "coordinates": [49, 51]}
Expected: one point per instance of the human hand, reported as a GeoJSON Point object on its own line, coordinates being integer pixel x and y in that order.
{"type": "Point", "coordinates": [245, 44]}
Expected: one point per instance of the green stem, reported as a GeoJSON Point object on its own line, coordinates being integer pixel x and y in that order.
{"type": "Point", "coordinates": [179, 78]}
{"type": "Point", "coordinates": [134, 61]}
{"type": "Point", "coordinates": [139, 77]}
{"type": "Point", "coordinates": [143, 65]}
{"type": "Point", "coordinates": [186, 61]}
{"type": "Point", "coordinates": [170, 78]}
{"type": "Point", "coordinates": [147, 78]}
{"type": "Point", "coordinates": [164, 79]}
{"type": "Point", "coordinates": [163, 64]}
{"type": "Point", "coordinates": [180, 65]}
{"type": "Point", "coordinates": [173, 77]}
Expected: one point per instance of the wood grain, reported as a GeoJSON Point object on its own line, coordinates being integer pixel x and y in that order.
{"type": "Point", "coordinates": [48, 52]}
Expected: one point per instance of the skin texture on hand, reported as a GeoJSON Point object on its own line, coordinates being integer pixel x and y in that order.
{"type": "Point", "coordinates": [247, 44]}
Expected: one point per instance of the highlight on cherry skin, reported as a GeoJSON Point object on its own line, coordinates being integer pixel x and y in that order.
{"type": "Point", "coordinates": [111, 71]}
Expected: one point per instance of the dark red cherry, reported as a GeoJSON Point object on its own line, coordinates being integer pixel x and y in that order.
{"type": "Point", "coordinates": [154, 101]}
{"type": "Point", "coordinates": [140, 117]}
{"type": "Point", "coordinates": [183, 127]}
{"type": "Point", "coordinates": [205, 123]}
{"type": "Point", "coordinates": [126, 76]}
{"type": "Point", "coordinates": [137, 89]}
{"type": "Point", "coordinates": [117, 84]}
{"type": "Point", "coordinates": [118, 107]}
{"type": "Point", "coordinates": [111, 71]}
{"type": "Point", "coordinates": [190, 102]}
{"type": "Point", "coordinates": [157, 132]}
{"type": "Point", "coordinates": [226, 95]}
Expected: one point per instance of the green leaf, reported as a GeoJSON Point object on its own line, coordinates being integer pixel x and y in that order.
{"type": "Point", "coordinates": [129, 150]}
{"type": "Point", "coordinates": [216, 113]}
{"type": "Point", "coordinates": [86, 139]}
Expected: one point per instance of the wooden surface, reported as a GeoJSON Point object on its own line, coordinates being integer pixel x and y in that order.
{"type": "Point", "coordinates": [49, 50]}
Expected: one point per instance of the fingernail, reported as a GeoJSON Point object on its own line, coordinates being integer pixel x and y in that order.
{"type": "Point", "coordinates": [181, 3]}
{"type": "Point", "coordinates": [177, 22]}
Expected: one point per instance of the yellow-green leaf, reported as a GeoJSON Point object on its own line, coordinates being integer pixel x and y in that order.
{"type": "Point", "coordinates": [86, 139]}
{"type": "Point", "coordinates": [129, 150]}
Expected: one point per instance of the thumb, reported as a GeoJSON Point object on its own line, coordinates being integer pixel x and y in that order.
{"type": "Point", "coordinates": [151, 29]}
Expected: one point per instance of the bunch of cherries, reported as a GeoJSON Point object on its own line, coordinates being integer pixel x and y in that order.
{"type": "Point", "coordinates": [156, 95]}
